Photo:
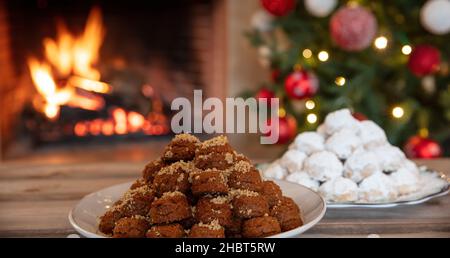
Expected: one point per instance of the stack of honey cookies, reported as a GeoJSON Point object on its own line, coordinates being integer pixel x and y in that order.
{"type": "Point", "coordinates": [201, 189]}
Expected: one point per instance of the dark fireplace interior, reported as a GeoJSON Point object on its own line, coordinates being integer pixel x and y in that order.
{"type": "Point", "coordinates": [151, 53]}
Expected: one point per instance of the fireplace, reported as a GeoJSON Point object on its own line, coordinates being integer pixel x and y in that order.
{"type": "Point", "coordinates": [89, 71]}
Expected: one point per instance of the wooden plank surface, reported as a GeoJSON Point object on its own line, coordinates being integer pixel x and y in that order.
{"type": "Point", "coordinates": [35, 201]}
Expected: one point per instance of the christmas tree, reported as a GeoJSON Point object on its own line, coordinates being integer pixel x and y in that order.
{"type": "Point", "coordinates": [385, 60]}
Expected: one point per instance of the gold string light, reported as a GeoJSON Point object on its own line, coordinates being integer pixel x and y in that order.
{"type": "Point", "coordinates": [310, 104]}
{"type": "Point", "coordinates": [406, 50]}
{"type": "Point", "coordinates": [281, 112]}
{"type": "Point", "coordinates": [398, 112]}
{"type": "Point", "coordinates": [307, 53]}
{"type": "Point", "coordinates": [340, 81]}
{"type": "Point", "coordinates": [381, 42]}
{"type": "Point", "coordinates": [323, 55]}
{"type": "Point", "coordinates": [311, 118]}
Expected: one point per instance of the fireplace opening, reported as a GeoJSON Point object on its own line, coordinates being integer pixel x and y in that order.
{"type": "Point", "coordinates": [103, 70]}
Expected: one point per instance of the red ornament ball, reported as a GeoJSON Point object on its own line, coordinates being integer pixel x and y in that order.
{"type": "Point", "coordinates": [278, 7]}
{"type": "Point", "coordinates": [424, 60]}
{"type": "Point", "coordinates": [265, 93]}
{"type": "Point", "coordinates": [301, 84]}
{"type": "Point", "coordinates": [359, 116]}
{"type": "Point", "coordinates": [286, 131]}
{"type": "Point", "coordinates": [422, 148]}
{"type": "Point", "coordinates": [353, 28]}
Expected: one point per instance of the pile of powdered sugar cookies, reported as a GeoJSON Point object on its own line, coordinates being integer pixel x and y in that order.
{"type": "Point", "coordinates": [351, 161]}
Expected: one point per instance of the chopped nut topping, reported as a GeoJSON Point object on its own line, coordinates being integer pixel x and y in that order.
{"type": "Point", "coordinates": [175, 167]}
{"type": "Point", "coordinates": [242, 192]}
{"type": "Point", "coordinates": [213, 225]}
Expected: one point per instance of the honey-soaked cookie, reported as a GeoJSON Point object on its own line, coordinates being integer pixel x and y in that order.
{"type": "Point", "coordinates": [171, 207]}
{"type": "Point", "coordinates": [138, 183]}
{"type": "Point", "coordinates": [166, 231]}
{"type": "Point", "coordinates": [272, 193]}
{"type": "Point", "coordinates": [248, 204]}
{"type": "Point", "coordinates": [182, 147]}
{"type": "Point", "coordinates": [217, 144]}
{"type": "Point", "coordinates": [287, 213]}
{"type": "Point", "coordinates": [131, 227]}
{"type": "Point", "coordinates": [215, 153]}
{"type": "Point", "coordinates": [234, 229]}
{"type": "Point", "coordinates": [208, 230]}
{"type": "Point", "coordinates": [174, 177]}
{"type": "Point", "coordinates": [245, 176]}
{"type": "Point", "coordinates": [214, 160]}
{"type": "Point", "coordinates": [210, 208]}
{"type": "Point", "coordinates": [151, 169]}
{"type": "Point", "coordinates": [135, 202]}
{"type": "Point", "coordinates": [210, 181]}
{"type": "Point", "coordinates": [260, 227]}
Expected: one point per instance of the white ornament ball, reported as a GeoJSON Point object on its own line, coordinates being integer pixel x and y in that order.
{"type": "Point", "coordinates": [320, 8]}
{"type": "Point", "coordinates": [262, 21]}
{"type": "Point", "coordinates": [435, 16]}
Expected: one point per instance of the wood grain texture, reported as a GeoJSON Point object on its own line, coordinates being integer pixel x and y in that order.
{"type": "Point", "coordinates": [35, 200]}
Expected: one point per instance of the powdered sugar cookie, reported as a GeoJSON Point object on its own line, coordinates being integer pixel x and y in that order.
{"type": "Point", "coordinates": [309, 142]}
{"type": "Point", "coordinates": [377, 188]}
{"type": "Point", "coordinates": [322, 130]}
{"type": "Point", "coordinates": [405, 181]}
{"type": "Point", "coordinates": [292, 160]}
{"type": "Point", "coordinates": [304, 179]}
{"type": "Point", "coordinates": [389, 157]}
{"type": "Point", "coordinates": [275, 171]}
{"type": "Point", "coordinates": [371, 134]}
{"type": "Point", "coordinates": [410, 166]}
{"type": "Point", "coordinates": [343, 143]}
{"type": "Point", "coordinates": [339, 189]}
{"type": "Point", "coordinates": [339, 120]}
{"type": "Point", "coordinates": [360, 165]}
{"type": "Point", "coordinates": [323, 166]}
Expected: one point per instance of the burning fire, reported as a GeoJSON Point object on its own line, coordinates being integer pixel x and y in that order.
{"type": "Point", "coordinates": [68, 77]}
{"type": "Point", "coordinates": [123, 122]}
{"type": "Point", "coordinates": [72, 58]}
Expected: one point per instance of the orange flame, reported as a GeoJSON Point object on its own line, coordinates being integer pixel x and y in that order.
{"type": "Point", "coordinates": [73, 58]}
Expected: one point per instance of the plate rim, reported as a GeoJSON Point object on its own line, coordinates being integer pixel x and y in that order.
{"type": "Point", "coordinates": [444, 191]}
{"type": "Point", "coordinates": [308, 225]}
{"type": "Point", "coordinates": [290, 233]}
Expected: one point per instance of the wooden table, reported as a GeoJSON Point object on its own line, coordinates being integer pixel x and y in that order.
{"type": "Point", "coordinates": [35, 200]}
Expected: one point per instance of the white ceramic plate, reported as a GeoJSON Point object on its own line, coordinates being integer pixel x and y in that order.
{"type": "Point", "coordinates": [84, 216]}
{"type": "Point", "coordinates": [433, 185]}
{"type": "Point", "coordinates": [443, 192]}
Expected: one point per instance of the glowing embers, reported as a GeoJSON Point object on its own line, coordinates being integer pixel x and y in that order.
{"type": "Point", "coordinates": [121, 122]}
